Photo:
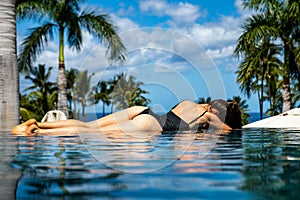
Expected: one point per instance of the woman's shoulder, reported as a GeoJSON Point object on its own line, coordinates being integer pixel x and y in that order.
{"type": "Point", "coordinates": [186, 101]}
{"type": "Point", "coordinates": [186, 104]}
{"type": "Point", "coordinates": [183, 103]}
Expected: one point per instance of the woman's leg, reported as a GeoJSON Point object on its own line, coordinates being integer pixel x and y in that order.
{"type": "Point", "coordinates": [117, 117]}
{"type": "Point", "coordinates": [141, 126]}
{"type": "Point", "coordinates": [76, 125]}
{"type": "Point", "coordinates": [123, 115]}
{"type": "Point", "coordinates": [142, 122]}
{"type": "Point", "coordinates": [62, 123]}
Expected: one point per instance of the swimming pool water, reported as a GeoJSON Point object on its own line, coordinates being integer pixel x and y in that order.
{"type": "Point", "coordinates": [254, 164]}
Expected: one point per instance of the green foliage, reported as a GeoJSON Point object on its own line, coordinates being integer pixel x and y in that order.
{"type": "Point", "coordinates": [203, 100]}
{"type": "Point", "coordinates": [103, 93]}
{"type": "Point", "coordinates": [82, 90]}
{"type": "Point", "coordinates": [120, 91]}
{"type": "Point", "coordinates": [244, 109]}
{"type": "Point", "coordinates": [127, 92]}
{"type": "Point", "coordinates": [66, 18]}
{"type": "Point", "coordinates": [29, 109]}
{"type": "Point", "coordinates": [269, 48]}
{"type": "Point", "coordinates": [42, 95]}
{"type": "Point", "coordinates": [71, 76]}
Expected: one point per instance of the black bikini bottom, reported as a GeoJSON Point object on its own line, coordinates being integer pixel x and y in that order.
{"type": "Point", "coordinates": [169, 121]}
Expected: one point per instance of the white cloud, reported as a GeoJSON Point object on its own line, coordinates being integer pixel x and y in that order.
{"type": "Point", "coordinates": [124, 24]}
{"type": "Point", "coordinates": [222, 52]}
{"type": "Point", "coordinates": [239, 5]}
{"type": "Point", "coordinates": [219, 38]}
{"type": "Point", "coordinates": [157, 7]}
{"type": "Point", "coordinates": [218, 34]}
{"type": "Point", "coordinates": [182, 14]}
{"type": "Point", "coordinates": [146, 46]}
{"type": "Point", "coordinates": [126, 11]}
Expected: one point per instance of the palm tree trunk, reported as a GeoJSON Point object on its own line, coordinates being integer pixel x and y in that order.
{"type": "Point", "coordinates": [286, 94]}
{"type": "Point", "coordinates": [9, 95]}
{"type": "Point", "coordinates": [261, 102]}
{"type": "Point", "coordinates": [83, 108]}
{"type": "Point", "coordinates": [270, 97]}
{"type": "Point", "coordinates": [9, 79]}
{"type": "Point", "coordinates": [286, 88]}
{"type": "Point", "coordinates": [103, 109]}
{"type": "Point", "coordinates": [62, 103]}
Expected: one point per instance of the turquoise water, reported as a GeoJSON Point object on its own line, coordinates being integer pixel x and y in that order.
{"type": "Point", "coordinates": [254, 164]}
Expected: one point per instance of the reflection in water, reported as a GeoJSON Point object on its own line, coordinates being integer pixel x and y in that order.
{"type": "Point", "coordinates": [8, 175]}
{"type": "Point", "coordinates": [60, 166]}
{"type": "Point", "coordinates": [272, 163]}
{"type": "Point", "coordinates": [254, 164]}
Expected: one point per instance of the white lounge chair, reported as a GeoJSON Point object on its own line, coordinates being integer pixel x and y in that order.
{"type": "Point", "coordinates": [54, 115]}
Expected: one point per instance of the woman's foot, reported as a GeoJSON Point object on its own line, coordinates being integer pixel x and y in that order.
{"type": "Point", "coordinates": [22, 128]}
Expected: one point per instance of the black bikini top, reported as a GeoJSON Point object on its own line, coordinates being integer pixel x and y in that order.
{"type": "Point", "coordinates": [197, 117]}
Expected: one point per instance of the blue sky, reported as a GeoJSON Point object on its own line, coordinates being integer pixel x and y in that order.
{"type": "Point", "coordinates": [179, 49]}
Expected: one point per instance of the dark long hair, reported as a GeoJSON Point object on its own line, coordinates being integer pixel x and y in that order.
{"type": "Point", "coordinates": [229, 112]}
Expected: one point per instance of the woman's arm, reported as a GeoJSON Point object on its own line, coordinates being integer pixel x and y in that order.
{"type": "Point", "coordinates": [216, 123]}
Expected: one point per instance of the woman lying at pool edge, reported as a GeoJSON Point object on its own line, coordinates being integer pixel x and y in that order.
{"type": "Point", "coordinates": [185, 116]}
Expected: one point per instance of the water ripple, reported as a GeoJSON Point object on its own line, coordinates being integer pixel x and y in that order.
{"type": "Point", "coordinates": [256, 163]}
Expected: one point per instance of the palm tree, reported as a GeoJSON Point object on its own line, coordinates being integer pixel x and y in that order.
{"type": "Point", "coordinates": [67, 19]}
{"type": "Point", "coordinates": [43, 95]}
{"type": "Point", "coordinates": [83, 89]}
{"type": "Point", "coordinates": [112, 83]}
{"type": "Point", "coordinates": [9, 81]}
{"type": "Point", "coordinates": [252, 71]}
{"type": "Point", "coordinates": [276, 20]}
{"type": "Point", "coordinates": [204, 100]}
{"type": "Point", "coordinates": [272, 90]}
{"type": "Point", "coordinates": [72, 75]}
{"type": "Point", "coordinates": [128, 92]}
{"type": "Point", "coordinates": [102, 94]}
{"type": "Point", "coordinates": [244, 109]}
{"type": "Point", "coordinates": [40, 79]}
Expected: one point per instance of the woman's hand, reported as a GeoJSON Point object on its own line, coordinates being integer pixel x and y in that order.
{"type": "Point", "coordinates": [216, 123]}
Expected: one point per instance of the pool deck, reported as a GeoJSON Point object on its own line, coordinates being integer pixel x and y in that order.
{"type": "Point", "coordinates": [289, 119]}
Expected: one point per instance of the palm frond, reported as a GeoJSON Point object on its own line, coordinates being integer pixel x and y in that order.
{"type": "Point", "coordinates": [33, 45]}
{"type": "Point", "coordinates": [74, 34]}
{"type": "Point", "coordinates": [32, 9]}
{"type": "Point", "coordinates": [101, 27]}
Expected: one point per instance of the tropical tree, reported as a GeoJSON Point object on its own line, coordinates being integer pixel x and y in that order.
{"type": "Point", "coordinates": [72, 75]}
{"type": "Point", "coordinates": [244, 109]}
{"type": "Point", "coordinates": [102, 94]}
{"type": "Point", "coordinates": [204, 100]}
{"type": "Point", "coordinates": [128, 92]}
{"type": "Point", "coordinates": [40, 79]}
{"type": "Point", "coordinates": [42, 95]}
{"type": "Point", "coordinates": [83, 90]}
{"type": "Point", "coordinates": [273, 90]}
{"type": "Point", "coordinates": [9, 81]}
{"type": "Point", "coordinates": [68, 19]}
{"type": "Point", "coordinates": [276, 21]}
{"type": "Point", "coordinates": [29, 109]}
{"type": "Point", "coordinates": [31, 105]}
{"type": "Point", "coordinates": [112, 83]}
{"type": "Point", "coordinates": [257, 66]}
